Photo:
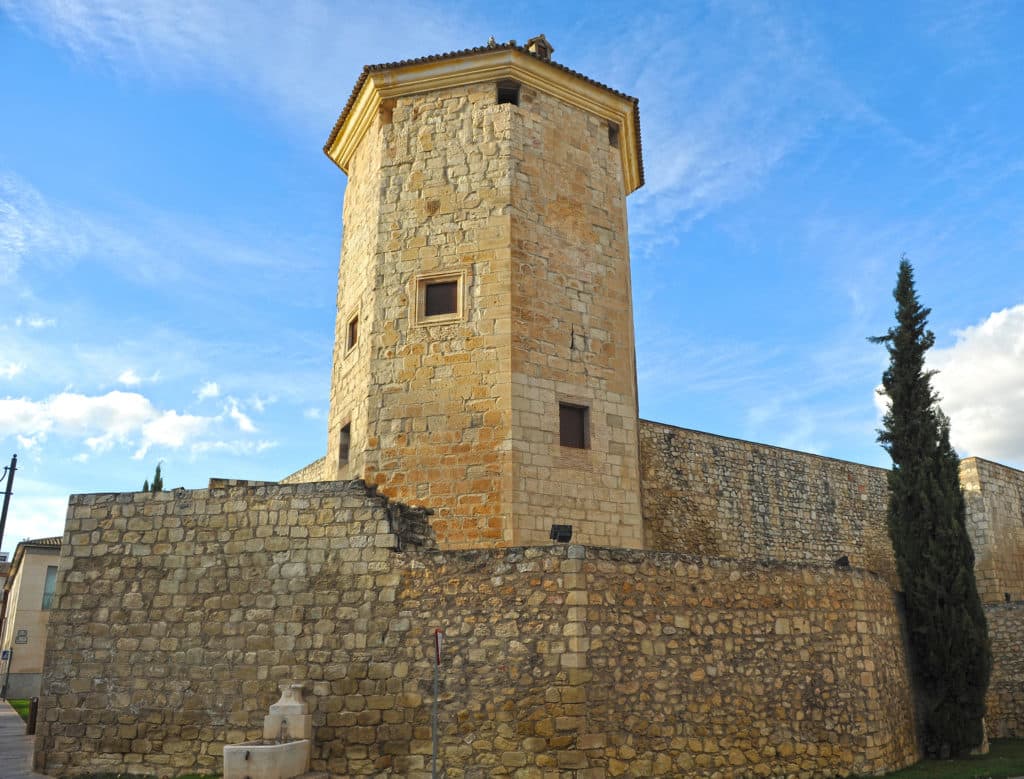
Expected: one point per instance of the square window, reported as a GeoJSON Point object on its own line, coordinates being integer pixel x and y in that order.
{"type": "Point", "coordinates": [352, 332]}
{"type": "Point", "coordinates": [439, 298]}
{"type": "Point", "coordinates": [574, 426]}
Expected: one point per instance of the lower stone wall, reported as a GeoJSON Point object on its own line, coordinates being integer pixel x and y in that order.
{"type": "Point", "coordinates": [178, 614]}
{"type": "Point", "coordinates": [706, 494]}
{"type": "Point", "coordinates": [1005, 701]}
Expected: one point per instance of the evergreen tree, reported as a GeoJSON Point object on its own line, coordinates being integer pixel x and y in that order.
{"type": "Point", "coordinates": [949, 644]}
{"type": "Point", "coordinates": [145, 486]}
{"type": "Point", "coordinates": [158, 481]}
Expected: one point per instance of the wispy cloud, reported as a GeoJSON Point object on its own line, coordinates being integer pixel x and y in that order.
{"type": "Point", "coordinates": [129, 378]}
{"type": "Point", "coordinates": [35, 322]}
{"type": "Point", "coordinates": [729, 90]}
{"type": "Point", "coordinates": [288, 55]}
{"type": "Point", "coordinates": [10, 370]}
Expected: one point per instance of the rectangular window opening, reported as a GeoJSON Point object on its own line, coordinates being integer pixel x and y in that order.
{"type": "Point", "coordinates": [344, 444]}
{"type": "Point", "coordinates": [441, 297]}
{"type": "Point", "coordinates": [352, 332]}
{"type": "Point", "coordinates": [613, 135]}
{"type": "Point", "coordinates": [508, 92]}
{"type": "Point", "coordinates": [573, 426]}
{"type": "Point", "coordinates": [49, 586]}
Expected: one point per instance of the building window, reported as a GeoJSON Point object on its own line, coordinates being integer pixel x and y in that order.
{"type": "Point", "coordinates": [49, 586]}
{"type": "Point", "coordinates": [508, 92]}
{"type": "Point", "coordinates": [439, 298]}
{"type": "Point", "coordinates": [344, 444]}
{"type": "Point", "coordinates": [574, 426]}
{"type": "Point", "coordinates": [613, 135]}
{"type": "Point", "coordinates": [352, 332]}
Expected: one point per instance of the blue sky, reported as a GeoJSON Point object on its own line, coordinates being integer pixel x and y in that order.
{"type": "Point", "coordinates": [169, 227]}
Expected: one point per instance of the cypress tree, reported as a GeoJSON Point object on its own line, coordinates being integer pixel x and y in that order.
{"type": "Point", "coordinates": [158, 480]}
{"type": "Point", "coordinates": [950, 654]}
{"type": "Point", "coordinates": [145, 485]}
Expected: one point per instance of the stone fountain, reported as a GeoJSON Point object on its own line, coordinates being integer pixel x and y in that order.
{"type": "Point", "coordinates": [286, 746]}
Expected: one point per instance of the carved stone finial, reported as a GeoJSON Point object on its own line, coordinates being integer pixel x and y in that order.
{"type": "Point", "coordinates": [491, 43]}
{"type": "Point", "coordinates": [539, 46]}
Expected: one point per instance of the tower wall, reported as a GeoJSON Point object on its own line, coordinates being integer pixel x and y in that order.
{"type": "Point", "coordinates": [436, 395]}
{"type": "Point", "coordinates": [572, 332]}
{"type": "Point", "coordinates": [523, 206]}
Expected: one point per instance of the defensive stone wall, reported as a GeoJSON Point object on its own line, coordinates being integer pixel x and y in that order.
{"type": "Point", "coordinates": [307, 473]}
{"type": "Point", "coordinates": [706, 494]}
{"type": "Point", "coordinates": [1005, 701]}
{"type": "Point", "coordinates": [995, 518]}
{"type": "Point", "coordinates": [178, 614]}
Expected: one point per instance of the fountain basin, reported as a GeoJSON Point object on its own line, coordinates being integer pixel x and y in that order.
{"type": "Point", "coordinates": [267, 759]}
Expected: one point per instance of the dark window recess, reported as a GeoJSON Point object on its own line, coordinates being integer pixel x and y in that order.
{"type": "Point", "coordinates": [572, 425]}
{"type": "Point", "coordinates": [613, 135]}
{"type": "Point", "coordinates": [508, 92]}
{"type": "Point", "coordinates": [441, 298]}
{"type": "Point", "coordinates": [353, 332]}
{"type": "Point", "coordinates": [344, 444]}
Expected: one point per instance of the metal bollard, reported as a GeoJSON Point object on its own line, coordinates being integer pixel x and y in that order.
{"type": "Point", "coordinates": [33, 712]}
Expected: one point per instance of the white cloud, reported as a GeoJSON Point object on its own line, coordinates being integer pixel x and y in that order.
{"type": "Point", "coordinates": [981, 384]}
{"type": "Point", "coordinates": [101, 422]}
{"type": "Point", "coordinates": [244, 423]}
{"type": "Point", "coordinates": [311, 413]}
{"type": "Point", "coordinates": [129, 378]}
{"type": "Point", "coordinates": [232, 447]}
{"type": "Point", "coordinates": [208, 390]}
{"type": "Point", "coordinates": [10, 370]}
{"type": "Point", "coordinates": [35, 322]}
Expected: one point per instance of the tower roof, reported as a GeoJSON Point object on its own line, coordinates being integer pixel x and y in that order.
{"type": "Point", "coordinates": [492, 61]}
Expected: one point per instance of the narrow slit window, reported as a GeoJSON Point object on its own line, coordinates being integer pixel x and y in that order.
{"type": "Point", "coordinates": [49, 586]}
{"type": "Point", "coordinates": [573, 423]}
{"type": "Point", "coordinates": [440, 298]}
{"type": "Point", "coordinates": [352, 333]}
{"type": "Point", "coordinates": [613, 135]}
{"type": "Point", "coordinates": [508, 92]}
{"type": "Point", "coordinates": [344, 444]}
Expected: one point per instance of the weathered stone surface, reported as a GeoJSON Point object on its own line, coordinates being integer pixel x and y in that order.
{"type": "Point", "coordinates": [670, 663]}
{"type": "Point", "coordinates": [706, 494]}
{"type": "Point", "coordinates": [995, 519]}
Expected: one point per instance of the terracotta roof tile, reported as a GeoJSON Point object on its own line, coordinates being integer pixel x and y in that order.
{"type": "Point", "coordinates": [368, 69]}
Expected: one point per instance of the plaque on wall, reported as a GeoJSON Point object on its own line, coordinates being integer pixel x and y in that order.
{"type": "Point", "coordinates": [21, 637]}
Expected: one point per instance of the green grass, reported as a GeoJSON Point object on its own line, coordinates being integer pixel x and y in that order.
{"type": "Point", "coordinates": [1005, 758]}
{"type": "Point", "coordinates": [20, 705]}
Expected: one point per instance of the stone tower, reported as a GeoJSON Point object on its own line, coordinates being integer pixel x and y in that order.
{"type": "Point", "coordinates": [484, 359]}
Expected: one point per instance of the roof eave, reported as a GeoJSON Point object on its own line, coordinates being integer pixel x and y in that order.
{"type": "Point", "coordinates": [383, 82]}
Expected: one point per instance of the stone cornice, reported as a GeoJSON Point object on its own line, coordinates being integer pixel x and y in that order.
{"type": "Point", "coordinates": [380, 85]}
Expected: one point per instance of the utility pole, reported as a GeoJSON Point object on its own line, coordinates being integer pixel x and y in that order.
{"type": "Point", "coordinates": [9, 473]}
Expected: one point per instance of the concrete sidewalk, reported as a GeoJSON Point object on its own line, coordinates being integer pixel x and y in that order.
{"type": "Point", "coordinates": [15, 746]}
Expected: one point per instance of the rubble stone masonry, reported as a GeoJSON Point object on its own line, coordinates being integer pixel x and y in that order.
{"type": "Point", "coordinates": [178, 614]}
{"type": "Point", "coordinates": [710, 495]}
{"type": "Point", "coordinates": [1005, 701]}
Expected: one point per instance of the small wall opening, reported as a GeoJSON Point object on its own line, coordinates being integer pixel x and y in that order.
{"type": "Point", "coordinates": [573, 426]}
{"type": "Point", "coordinates": [352, 332]}
{"type": "Point", "coordinates": [508, 92]}
{"type": "Point", "coordinates": [344, 444]}
{"type": "Point", "coordinates": [613, 135]}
